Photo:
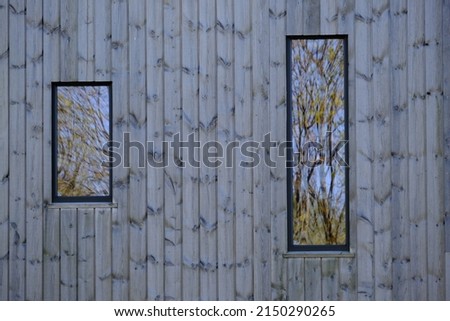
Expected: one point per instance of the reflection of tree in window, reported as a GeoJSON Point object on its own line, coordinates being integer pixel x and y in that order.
{"type": "Point", "coordinates": [318, 115]}
{"type": "Point", "coordinates": [83, 128]}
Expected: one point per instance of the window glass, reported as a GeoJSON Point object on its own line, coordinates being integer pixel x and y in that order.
{"type": "Point", "coordinates": [318, 132]}
{"type": "Point", "coordinates": [82, 130]}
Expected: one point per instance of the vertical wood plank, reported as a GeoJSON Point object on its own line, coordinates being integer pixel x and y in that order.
{"type": "Point", "coordinates": [86, 254]}
{"type": "Point", "coordinates": [173, 178]}
{"type": "Point", "coordinates": [138, 126]}
{"type": "Point", "coordinates": [51, 61]}
{"type": "Point", "coordinates": [446, 116]}
{"type": "Point", "coordinates": [330, 278]}
{"type": "Point", "coordinates": [90, 41]}
{"type": "Point", "coordinates": [69, 254]}
{"type": "Point", "coordinates": [313, 279]}
{"type": "Point", "coordinates": [17, 146]}
{"type": "Point", "coordinates": [120, 215]}
{"type": "Point", "coordinates": [190, 103]}
{"type": "Point", "coordinates": [447, 278]}
{"type": "Point", "coordinates": [103, 218]}
{"type": "Point", "coordinates": [382, 152]}
{"type": "Point", "coordinates": [51, 73]}
{"type": "Point", "coordinates": [208, 128]}
{"type": "Point", "coordinates": [328, 17]}
{"type": "Point", "coordinates": [155, 133]}
{"type": "Point", "coordinates": [340, 20]}
{"type": "Point", "coordinates": [244, 130]}
{"type": "Point", "coordinates": [52, 254]}
{"type": "Point", "coordinates": [68, 40]}
{"type": "Point", "coordinates": [34, 210]}
{"type": "Point", "coordinates": [311, 17]}
{"type": "Point", "coordinates": [434, 105]}
{"type": "Point", "coordinates": [4, 146]}
{"type": "Point", "coordinates": [85, 40]}
{"type": "Point", "coordinates": [417, 163]}
{"type": "Point", "coordinates": [102, 39]}
{"type": "Point", "coordinates": [295, 24]}
{"type": "Point", "coordinates": [103, 260]}
{"type": "Point", "coordinates": [364, 149]}
{"type": "Point", "coordinates": [347, 279]}
{"type": "Point", "coordinates": [82, 39]}
{"type": "Point", "coordinates": [277, 115]}
{"type": "Point", "coordinates": [294, 17]}
{"type": "Point", "coordinates": [225, 135]}
{"type": "Point", "coordinates": [155, 130]}
{"type": "Point", "coordinates": [261, 174]}
{"type": "Point", "coordinates": [68, 230]}
{"type": "Point", "coordinates": [399, 142]}
{"type": "Point", "coordinates": [296, 279]}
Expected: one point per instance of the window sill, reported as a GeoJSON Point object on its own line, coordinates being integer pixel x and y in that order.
{"type": "Point", "coordinates": [319, 254]}
{"type": "Point", "coordinates": [82, 205]}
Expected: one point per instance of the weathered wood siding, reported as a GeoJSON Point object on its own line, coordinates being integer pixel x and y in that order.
{"type": "Point", "coordinates": [216, 69]}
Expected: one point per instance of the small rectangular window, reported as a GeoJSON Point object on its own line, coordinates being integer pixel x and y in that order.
{"type": "Point", "coordinates": [81, 132]}
{"type": "Point", "coordinates": [318, 134]}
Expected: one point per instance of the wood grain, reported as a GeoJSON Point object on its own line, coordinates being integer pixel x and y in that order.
{"type": "Point", "coordinates": [217, 70]}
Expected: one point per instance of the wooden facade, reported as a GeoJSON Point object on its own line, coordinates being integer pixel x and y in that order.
{"type": "Point", "coordinates": [217, 68]}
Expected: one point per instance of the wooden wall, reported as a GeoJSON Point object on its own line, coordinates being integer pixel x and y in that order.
{"type": "Point", "coordinates": [217, 69]}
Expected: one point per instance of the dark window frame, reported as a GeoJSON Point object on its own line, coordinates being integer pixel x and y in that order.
{"type": "Point", "coordinates": [77, 199]}
{"type": "Point", "coordinates": [289, 165]}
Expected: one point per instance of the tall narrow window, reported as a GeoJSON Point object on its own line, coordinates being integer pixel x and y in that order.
{"type": "Point", "coordinates": [81, 130]}
{"type": "Point", "coordinates": [317, 130]}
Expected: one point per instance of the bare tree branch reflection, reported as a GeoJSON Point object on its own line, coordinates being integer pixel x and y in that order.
{"type": "Point", "coordinates": [83, 128]}
{"type": "Point", "coordinates": [318, 115]}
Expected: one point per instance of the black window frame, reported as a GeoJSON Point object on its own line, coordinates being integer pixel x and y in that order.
{"type": "Point", "coordinates": [289, 164]}
{"type": "Point", "coordinates": [77, 199]}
